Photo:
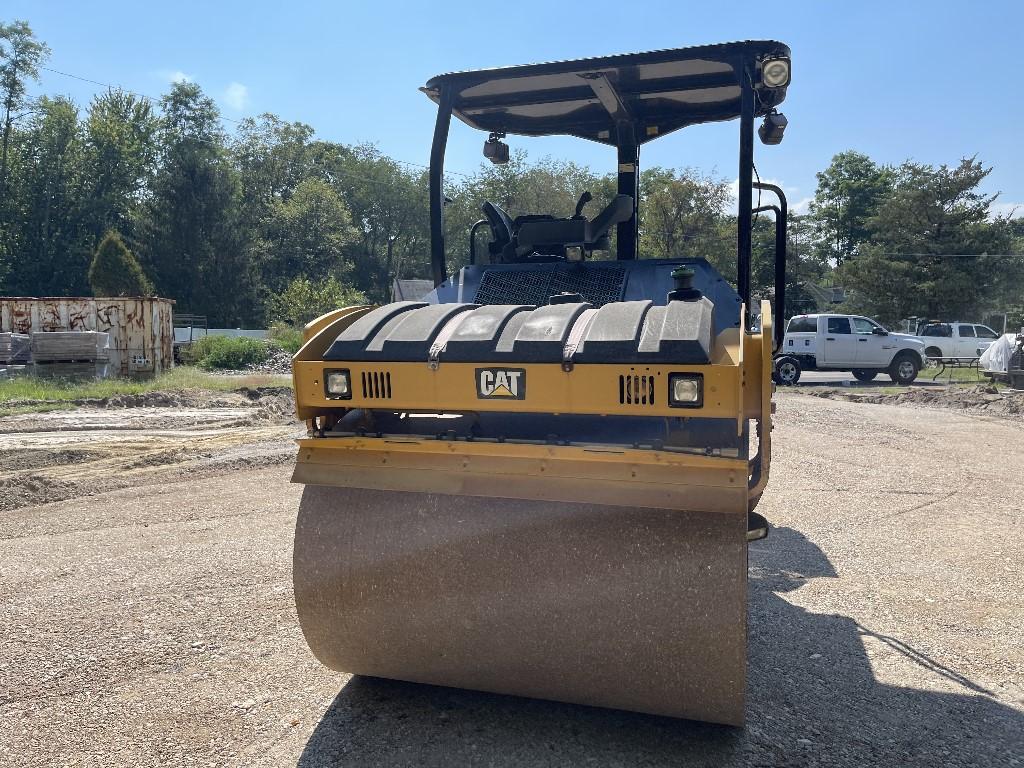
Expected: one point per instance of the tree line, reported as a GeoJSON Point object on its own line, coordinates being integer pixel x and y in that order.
{"type": "Point", "coordinates": [269, 223]}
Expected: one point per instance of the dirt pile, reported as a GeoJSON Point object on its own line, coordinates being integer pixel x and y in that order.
{"type": "Point", "coordinates": [276, 404]}
{"type": "Point", "coordinates": [981, 398]}
{"type": "Point", "coordinates": [183, 399]}
{"type": "Point", "coordinates": [32, 488]}
{"type": "Point", "coordinates": [270, 402]}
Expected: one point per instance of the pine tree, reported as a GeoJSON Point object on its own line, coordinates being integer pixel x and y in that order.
{"type": "Point", "coordinates": [115, 272]}
{"type": "Point", "coordinates": [191, 240]}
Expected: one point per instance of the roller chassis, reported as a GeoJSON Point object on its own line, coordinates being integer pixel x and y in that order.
{"type": "Point", "coordinates": [546, 467]}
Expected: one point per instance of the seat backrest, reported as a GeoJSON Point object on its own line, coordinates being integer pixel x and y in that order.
{"type": "Point", "coordinates": [501, 226]}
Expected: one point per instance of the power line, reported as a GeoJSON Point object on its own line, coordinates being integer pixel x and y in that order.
{"type": "Point", "coordinates": [950, 255]}
{"type": "Point", "coordinates": [119, 88]}
{"type": "Point", "coordinates": [156, 101]}
{"type": "Point", "coordinates": [427, 168]}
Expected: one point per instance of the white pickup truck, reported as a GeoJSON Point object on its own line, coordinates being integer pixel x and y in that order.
{"type": "Point", "coordinates": [846, 343]}
{"type": "Point", "coordinates": [952, 340]}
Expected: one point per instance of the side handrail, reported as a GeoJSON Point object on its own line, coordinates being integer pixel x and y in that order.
{"type": "Point", "coordinates": [781, 219]}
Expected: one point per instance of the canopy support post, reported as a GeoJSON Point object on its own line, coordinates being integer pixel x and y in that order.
{"type": "Point", "coordinates": [436, 180]}
{"type": "Point", "coordinates": [628, 150]}
{"type": "Point", "coordinates": [745, 191]}
{"type": "Point", "coordinates": [627, 232]}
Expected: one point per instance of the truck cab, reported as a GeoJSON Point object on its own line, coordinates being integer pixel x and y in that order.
{"type": "Point", "coordinates": [854, 343]}
{"type": "Point", "coordinates": [955, 340]}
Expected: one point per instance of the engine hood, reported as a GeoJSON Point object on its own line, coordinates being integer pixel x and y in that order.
{"type": "Point", "coordinates": [906, 338]}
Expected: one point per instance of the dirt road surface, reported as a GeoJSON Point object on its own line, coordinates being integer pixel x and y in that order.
{"type": "Point", "coordinates": [152, 623]}
{"type": "Point", "coordinates": [136, 439]}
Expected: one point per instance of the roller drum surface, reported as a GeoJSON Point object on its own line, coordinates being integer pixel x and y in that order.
{"type": "Point", "coordinates": [637, 609]}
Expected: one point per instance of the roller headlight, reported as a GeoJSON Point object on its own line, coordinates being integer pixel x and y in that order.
{"type": "Point", "coordinates": [337, 385]}
{"type": "Point", "coordinates": [686, 390]}
{"type": "Point", "coordinates": [775, 73]}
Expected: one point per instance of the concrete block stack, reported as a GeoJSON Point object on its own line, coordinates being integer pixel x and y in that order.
{"type": "Point", "coordinates": [15, 348]}
{"type": "Point", "coordinates": [71, 354]}
{"type": "Point", "coordinates": [15, 354]}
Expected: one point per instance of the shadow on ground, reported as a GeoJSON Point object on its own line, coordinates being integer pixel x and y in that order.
{"type": "Point", "coordinates": [812, 700]}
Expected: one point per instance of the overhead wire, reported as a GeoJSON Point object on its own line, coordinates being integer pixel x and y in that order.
{"type": "Point", "coordinates": [156, 101]}
{"type": "Point", "coordinates": [120, 88]}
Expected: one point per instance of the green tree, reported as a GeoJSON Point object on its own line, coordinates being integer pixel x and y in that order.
{"type": "Point", "coordinates": [273, 157]}
{"type": "Point", "coordinates": [933, 250]}
{"type": "Point", "coordinates": [304, 300]}
{"type": "Point", "coordinates": [306, 235]}
{"type": "Point", "coordinates": [115, 271]}
{"type": "Point", "coordinates": [388, 206]}
{"type": "Point", "coordinates": [192, 243]}
{"type": "Point", "coordinates": [20, 57]}
{"type": "Point", "coordinates": [121, 149]}
{"type": "Point", "coordinates": [850, 191]}
{"type": "Point", "coordinates": [682, 216]}
{"type": "Point", "coordinates": [47, 199]}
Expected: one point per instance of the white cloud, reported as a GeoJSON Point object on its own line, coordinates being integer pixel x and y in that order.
{"type": "Point", "coordinates": [801, 206]}
{"type": "Point", "coordinates": [174, 76]}
{"type": "Point", "coordinates": [1013, 210]}
{"type": "Point", "coordinates": [236, 96]}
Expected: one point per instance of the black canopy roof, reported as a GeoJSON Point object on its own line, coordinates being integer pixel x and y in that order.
{"type": "Point", "coordinates": [658, 91]}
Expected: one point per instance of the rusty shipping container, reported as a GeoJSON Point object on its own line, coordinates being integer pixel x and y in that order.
{"type": "Point", "coordinates": [141, 328]}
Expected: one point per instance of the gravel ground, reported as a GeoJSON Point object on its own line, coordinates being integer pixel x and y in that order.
{"type": "Point", "coordinates": [278, 362]}
{"type": "Point", "coordinates": [154, 624]}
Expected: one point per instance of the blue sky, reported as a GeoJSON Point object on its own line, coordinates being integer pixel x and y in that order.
{"type": "Point", "coordinates": [932, 81]}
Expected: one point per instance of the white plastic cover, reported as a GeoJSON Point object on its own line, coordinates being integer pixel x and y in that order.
{"type": "Point", "coordinates": [997, 356]}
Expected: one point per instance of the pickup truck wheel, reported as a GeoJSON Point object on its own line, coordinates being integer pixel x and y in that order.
{"type": "Point", "coordinates": [787, 371]}
{"type": "Point", "coordinates": [863, 375]}
{"type": "Point", "coordinates": [933, 352]}
{"type": "Point", "coordinates": [904, 369]}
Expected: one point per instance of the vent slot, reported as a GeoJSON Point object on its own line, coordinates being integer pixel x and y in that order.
{"type": "Point", "coordinates": [636, 390]}
{"type": "Point", "coordinates": [376, 385]}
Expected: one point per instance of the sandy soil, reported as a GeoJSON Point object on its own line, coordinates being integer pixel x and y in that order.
{"type": "Point", "coordinates": [153, 624]}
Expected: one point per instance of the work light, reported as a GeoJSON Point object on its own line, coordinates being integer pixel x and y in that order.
{"type": "Point", "coordinates": [336, 384]}
{"type": "Point", "coordinates": [773, 127]}
{"type": "Point", "coordinates": [685, 390]}
{"type": "Point", "coordinates": [775, 73]}
{"type": "Point", "coordinates": [495, 149]}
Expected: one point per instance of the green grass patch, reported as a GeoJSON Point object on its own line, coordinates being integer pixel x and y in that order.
{"type": "Point", "coordinates": [955, 375]}
{"type": "Point", "coordinates": [50, 391]}
{"type": "Point", "coordinates": [225, 352]}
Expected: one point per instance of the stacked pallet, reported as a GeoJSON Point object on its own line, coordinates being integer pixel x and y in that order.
{"type": "Point", "coordinates": [67, 346]}
{"type": "Point", "coordinates": [71, 354]}
{"type": "Point", "coordinates": [15, 348]}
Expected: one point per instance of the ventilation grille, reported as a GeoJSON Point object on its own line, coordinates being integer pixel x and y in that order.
{"type": "Point", "coordinates": [636, 390]}
{"type": "Point", "coordinates": [597, 285]}
{"type": "Point", "coordinates": [376, 385]}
